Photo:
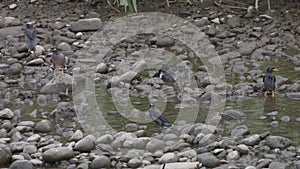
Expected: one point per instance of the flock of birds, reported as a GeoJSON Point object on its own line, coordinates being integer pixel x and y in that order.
{"type": "Point", "coordinates": [58, 60]}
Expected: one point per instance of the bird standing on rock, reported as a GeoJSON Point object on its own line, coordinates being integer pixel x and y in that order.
{"type": "Point", "coordinates": [157, 116]}
{"type": "Point", "coordinates": [269, 81]}
{"type": "Point", "coordinates": [30, 39]}
{"type": "Point", "coordinates": [58, 59]}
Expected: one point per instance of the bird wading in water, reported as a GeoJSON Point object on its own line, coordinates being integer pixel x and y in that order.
{"type": "Point", "coordinates": [30, 39]}
{"type": "Point", "coordinates": [58, 59]}
{"type": "Point", "coordinates": [157, 116]}
{"type": "Point", "coordinates": [269, 81]}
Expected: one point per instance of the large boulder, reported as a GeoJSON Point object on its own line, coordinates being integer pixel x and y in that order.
{"type": "Point", "coordinates": [58, 85]}
{"type": "Point", "coordinates": [57, 154]}
{"type": "Point", "coordinates": [21, 164]}
{"type": "Point", "coordinates": [13, 31]}
{"type": "Point", "coordinates": [90, 24]}
{"type": "Point", "coordinates": [5, 154]}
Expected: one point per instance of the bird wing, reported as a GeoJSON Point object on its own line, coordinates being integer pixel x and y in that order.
{"type": "Point", "coordinates": [157, 116]}
{"type": "Point", "coordinates": [30, 33]}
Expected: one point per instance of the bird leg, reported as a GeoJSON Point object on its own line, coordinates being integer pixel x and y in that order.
{"type": "Point", "coordinates": [273, 93]}
{"type": "Point", "coordinates": [54, 72]}
{"type": "Point", "coordinates": [265, 93]}
{"type": "Point", "coordinates": [62, 71]}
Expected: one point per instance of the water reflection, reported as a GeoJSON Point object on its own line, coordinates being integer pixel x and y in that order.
{"type": "Point", "coordinates": [269, 105]}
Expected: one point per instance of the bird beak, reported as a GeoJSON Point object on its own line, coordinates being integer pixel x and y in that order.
{"type": "Point", "coordinates": [275, 70]}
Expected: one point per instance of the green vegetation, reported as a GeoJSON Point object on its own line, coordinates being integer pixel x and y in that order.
{"type": "Point", "coordinates": [130, 4]}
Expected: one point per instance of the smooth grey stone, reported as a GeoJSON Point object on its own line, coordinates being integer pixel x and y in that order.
{"type": "Point", "coordinates": [5, 155]}
{"type": "Point", "coordinates": [278, 142]}
{"type": "Point", "coordinates": [6, 114]}
{"type": "Point", "coordinates": [134, 163]}
{"type": "Point", "coordinates": [43, 126]}
{"type": "Point", "coordinates": [56, 154]}
{"type": "Point", "coordinates": [86, 144]}
{"type": "Point", "coordinates": [251, 140]}
{"type": "Point", "coordinates": [21, 164]}
{"type": "Point", "coordinates": [58, 84]}
{"type": "Point", "coordinates": [101, 162]}
{"type": "Point", "coordinates": [168, 158]}
{"type": "Point", "coordinates": [208, 160]}
{"type": "Point", "coordinates": [90, 24]}
{"type": "Point", "coordinates": [155, 145]}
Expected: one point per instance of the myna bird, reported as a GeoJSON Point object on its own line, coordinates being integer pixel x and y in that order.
{"type": "Point", "coordinates": [58, 59]}
{"type": "Point", "coordinates": [163, 75]}
{"type": "Point", "coordinates": [269, 81]}
{"type": "Point", "coordinates": [30, 38]}
{"type": "Point", "coordinates": [157, 116]}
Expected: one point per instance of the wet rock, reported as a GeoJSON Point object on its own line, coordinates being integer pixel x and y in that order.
{"type": "Point", "coordinates": [208, 160]}
{"type": "Point", "coordinates": [41, 100]}
{"type": "Point", "coordinates": [155, 145]}
{"type": "Point", "coordinates": [278, 142]}
{"type": "Point", "coordinates": [165, 42]}
{"type": "Point", "coordinates": [101, 162]}
{"type": "Point", "coordinates": [131, 126]}
{"type": "Point", "coordinates": [43, 126]}
{"type": "Point", "coordinates": [15, 69]}
{"type": "Point", "coordinates": [285, 119]}
{"type": "Point", "coordinates": [274, 123]}
{"type": "Point", "coordinates": [134, 163]}
{"type": "Point", "coordinates": [233, 115]}
{"type": "Point", "coordinates": [86, 144]}
{"type": "Point", "coordinates": [6, 114]}
{"type": "Point", "coordinates": [57, 154]}
{"type": "Point", "coordinates": [5, 155]}
{"type": "Point", "coordinates": [168, 158]}
{"type": "Point", "coordinates": [58, 84]}
{"type": "Point", "coordinates": [251, 140]}
{"type": "Point", "coordinates": [21, 164]}
{"type": "Point", "coordinates": [90, 24]}
{"type": "Point", "coordinates": [294, 95]}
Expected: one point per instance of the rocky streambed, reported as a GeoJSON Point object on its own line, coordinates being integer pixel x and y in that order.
{"type": "Point", "coordinates": [40, 123]}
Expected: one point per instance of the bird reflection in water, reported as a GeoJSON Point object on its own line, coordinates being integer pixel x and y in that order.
{"type": "Point", "coordinates": [269, 105]}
